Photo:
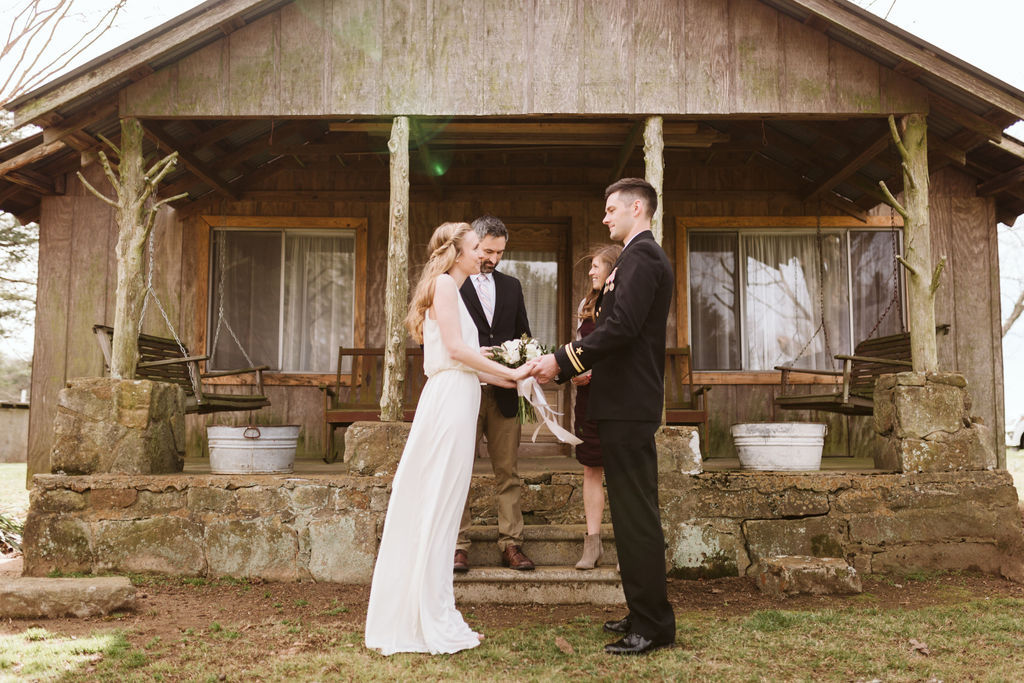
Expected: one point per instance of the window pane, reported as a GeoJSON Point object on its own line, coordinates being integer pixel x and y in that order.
{"type": "Point", "coordinates": [714, 314]}
{"type": "Point", "coordinates": [246, 282]}
{"type": "Point", "coordinates": [873, 263]}
{"type": "Point", "coordinates": [538, 273]}
{"type": "Point", "coordinates": [784, 296]}
{"type": "Point", "coordinates": [319, 300]}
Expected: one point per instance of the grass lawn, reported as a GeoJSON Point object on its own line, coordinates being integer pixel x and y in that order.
{"type": "Point", "coordinates": [968, 637]}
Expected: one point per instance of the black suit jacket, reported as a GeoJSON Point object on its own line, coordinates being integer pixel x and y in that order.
{"type": "Point", "coordinates": [627, 348]}
{"type": "Point", "coordinates": [508, 322]}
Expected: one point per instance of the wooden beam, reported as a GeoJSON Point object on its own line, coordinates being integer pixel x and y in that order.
{"type": "Point", "coordinates": [155, 132]}
{"type": "Point", "coordinates": [1001, 182]}
{"type": "Point", "coordinates": [951, 152]}
{"type": "Point", "coordinates": [628, 147]}
{"type": "Point", "coordinates": [1010, 146]}
{"type": "Point", "coordinates": [128, 61]}
{"type": "Point", "coordinates": [968, 119]}
{"type": "Point", "coordinates": [76, 123]}
{"type": "Point", "coordinates": [849, 166]}
{"type": "Point", "coordinates": [31, 180]}
{"type": "Point", "coordinates": [35, 154]}
{"type": "Point", "coordinates": [868, 29]}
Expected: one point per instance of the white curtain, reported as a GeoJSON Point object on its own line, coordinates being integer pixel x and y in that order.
{"type": "Point", "coordinates": [714, 315]}
{"type": "Point", "coordinates": [319, 283]}
{"type": "Point", "coordinates": [873, 262]}
{"type": "Point", "coordinates": [538, 273]}
{"type": "Point", "coordinates": [784, 296]}
{"type": "Point", "coordinates": [293, 323]}
{"type": "Point", "coordinates": [246, 298]}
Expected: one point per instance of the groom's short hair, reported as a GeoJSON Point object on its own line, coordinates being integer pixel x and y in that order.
{"type": "Point", "coordinates": [490, 225]}
{"type": "Point", "coordinates": [631, 189]}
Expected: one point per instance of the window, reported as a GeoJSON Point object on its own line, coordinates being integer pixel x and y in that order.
{"type": "Point", "coordinates": [538, 273]}
{"type": "Point", "coordinates": [757, 295]}
{"type": "Point", "coordinates": [285, 296]}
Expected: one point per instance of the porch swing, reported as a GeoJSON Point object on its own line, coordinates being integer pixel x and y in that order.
{"type": "Point", "coordinates": [163, 359]}
{"type": "Point", "coordinates": [872, 357]}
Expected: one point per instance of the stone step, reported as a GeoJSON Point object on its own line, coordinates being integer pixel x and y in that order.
{"type": "Point", "coordinates": [546, 585]}
{"type": "Point", "coordinates": [545, 544]}
{"type": "Point", "coordinates": [27, 597]}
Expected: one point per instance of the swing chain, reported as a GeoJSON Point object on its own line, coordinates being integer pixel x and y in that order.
{"type": "Point", "coordinates": [822, 327]}
{"type": "Point", "coordinates": [221, 258]}
{"type": "Point", "coordinates": [150, 292]}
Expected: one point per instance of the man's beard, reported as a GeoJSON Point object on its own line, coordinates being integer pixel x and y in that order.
{"type": "Point", "coordinates": [486, 268]}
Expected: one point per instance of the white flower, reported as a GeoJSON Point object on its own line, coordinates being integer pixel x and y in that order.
{"type": "Point", "coordinates": [510, 349]}
{"type": "Point", "coordinates": [532, 350]}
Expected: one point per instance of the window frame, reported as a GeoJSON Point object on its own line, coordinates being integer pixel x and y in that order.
{"type": "Point", "coordinates": [763, 224]}
{"type": "Point", "coordinates": [204, 305]}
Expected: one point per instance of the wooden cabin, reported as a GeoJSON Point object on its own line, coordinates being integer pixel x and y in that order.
{"type": "Point", "coordinates": [774, 127]}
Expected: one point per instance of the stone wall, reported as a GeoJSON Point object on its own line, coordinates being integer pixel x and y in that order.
{"type": "Point", "coordinates": [722, 523]}
{"type": "Point", "coordinates": [326, 528]}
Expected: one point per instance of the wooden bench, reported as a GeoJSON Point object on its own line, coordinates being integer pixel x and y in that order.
{"type": "Point", "coordinates": [358, 384]}
{"type": "Point", "coordinates": [161, 360]}
{"type": "Point", "coordinates": [685, 404]}
{"type": "Point", "coordinates": [855, 394]}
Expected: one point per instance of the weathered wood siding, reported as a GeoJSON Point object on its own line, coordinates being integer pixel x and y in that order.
{"type": "Point", "coordinates": [449, 57]}
{"type": "Point", "coordinates": [963, 230]}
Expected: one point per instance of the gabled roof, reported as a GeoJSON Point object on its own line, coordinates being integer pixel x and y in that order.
{"type": "Point", "coordinates": [969, 110]}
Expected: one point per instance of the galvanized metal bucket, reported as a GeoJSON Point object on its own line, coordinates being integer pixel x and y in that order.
{"type": "Point", "coordinates": [779, 445]}
{"type": "Point", "coordinates": [252, 450]}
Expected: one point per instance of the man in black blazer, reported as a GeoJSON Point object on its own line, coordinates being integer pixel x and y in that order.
{"type": "Point", "coordinates": [495, 301]}
{"type": "Point", "coordinates": [626, 352]}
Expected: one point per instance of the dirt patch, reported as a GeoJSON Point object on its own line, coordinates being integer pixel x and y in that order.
{"type": "Point", "coordinates": [169, 607]}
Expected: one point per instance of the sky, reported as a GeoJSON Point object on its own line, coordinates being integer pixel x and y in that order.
{"type": "Point", "coordinates": [984, 33]}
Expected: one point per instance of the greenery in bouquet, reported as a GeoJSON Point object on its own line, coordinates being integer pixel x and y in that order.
{"type": "Point", "coordinates": [514, 353]}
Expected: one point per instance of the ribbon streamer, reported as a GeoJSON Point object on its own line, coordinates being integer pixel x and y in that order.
{"type": "Point", "coordinates": [531, 390]}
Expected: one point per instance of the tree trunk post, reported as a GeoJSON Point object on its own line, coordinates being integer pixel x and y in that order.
{"type": "Point", "coordinates": [654, 163]}
{"type": "Point", "coordinates": [922, 279]}
{"type": "Point", "coordinates": [396, 295]}
{"type": "Point", "coordinates": [131, 245]}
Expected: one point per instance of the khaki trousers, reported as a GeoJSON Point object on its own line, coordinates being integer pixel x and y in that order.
{"type": "Point", "coordinates": [503, 447]}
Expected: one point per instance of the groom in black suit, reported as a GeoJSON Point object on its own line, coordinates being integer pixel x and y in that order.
{"type": "Point", "coordinates": [626, 352]}
{"type": "Point", "coordinates": [495, 301]}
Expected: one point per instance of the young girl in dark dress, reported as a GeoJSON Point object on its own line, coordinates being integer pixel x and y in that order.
{"type": "Point", "coordinates": [602, 259]}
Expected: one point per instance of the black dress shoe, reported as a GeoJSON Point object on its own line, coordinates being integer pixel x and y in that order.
{"type": "Point", "coordinates": [634, 644]}
{"type": "Point", "coordinates": [623, 625]}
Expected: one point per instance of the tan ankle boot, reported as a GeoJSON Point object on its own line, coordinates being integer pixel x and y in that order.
{"type": "Point", "coordinates": [592, 552]}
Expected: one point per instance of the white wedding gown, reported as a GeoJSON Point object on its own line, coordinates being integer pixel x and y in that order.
{"type": "Point", "coordinates": [412, 602]}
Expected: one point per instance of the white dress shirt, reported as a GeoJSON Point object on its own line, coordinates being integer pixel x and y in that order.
{"type": "Point", "coordinates": [484, 285]}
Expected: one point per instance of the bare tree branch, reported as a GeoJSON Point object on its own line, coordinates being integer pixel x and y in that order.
{"type": "Point", "coordinates": [1018, 308]}
{"type": "Point", "coordinates": [32, 53]}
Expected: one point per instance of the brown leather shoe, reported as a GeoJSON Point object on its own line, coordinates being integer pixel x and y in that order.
{"type": "Point", "coordinates": [514, 557]}
{"type": "Point", "coordinates": [461, 565]}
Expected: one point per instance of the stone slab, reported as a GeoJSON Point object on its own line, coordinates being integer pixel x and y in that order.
{"type": "Point", "coordinates": [544, 585]}
{"type": "Point", "coordinates": [545, 544]}
{"type": "Point", "coordinates": [32, 598]}
{"type": "Point", "coordinates": [795, 574]}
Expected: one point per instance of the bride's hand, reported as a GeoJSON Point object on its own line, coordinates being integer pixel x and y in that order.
{"type": "Point", "coordinates": [523, 371]}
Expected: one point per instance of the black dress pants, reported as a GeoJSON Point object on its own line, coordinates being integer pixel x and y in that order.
{"type": "Point", "coordinates": [631, 473]}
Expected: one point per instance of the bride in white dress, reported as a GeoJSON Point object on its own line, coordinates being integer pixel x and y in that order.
{"type": "Point", "coordinates": [412, 601]}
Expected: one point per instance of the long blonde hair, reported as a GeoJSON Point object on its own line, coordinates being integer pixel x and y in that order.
{"type": "Point", "coordinates": [608, 254]}
{"type": "Point", "coordinates": [444, 247]}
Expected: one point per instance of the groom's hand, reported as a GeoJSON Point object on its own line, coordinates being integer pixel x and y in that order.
{"type": "Point", "coordinates": [546, 368]}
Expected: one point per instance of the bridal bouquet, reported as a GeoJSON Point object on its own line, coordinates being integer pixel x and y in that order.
{"type": "Point", "coordinates": [514, 353]}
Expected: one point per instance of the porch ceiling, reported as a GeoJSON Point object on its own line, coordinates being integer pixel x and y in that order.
{"type": "Point", "coordinates": [838, 162]}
